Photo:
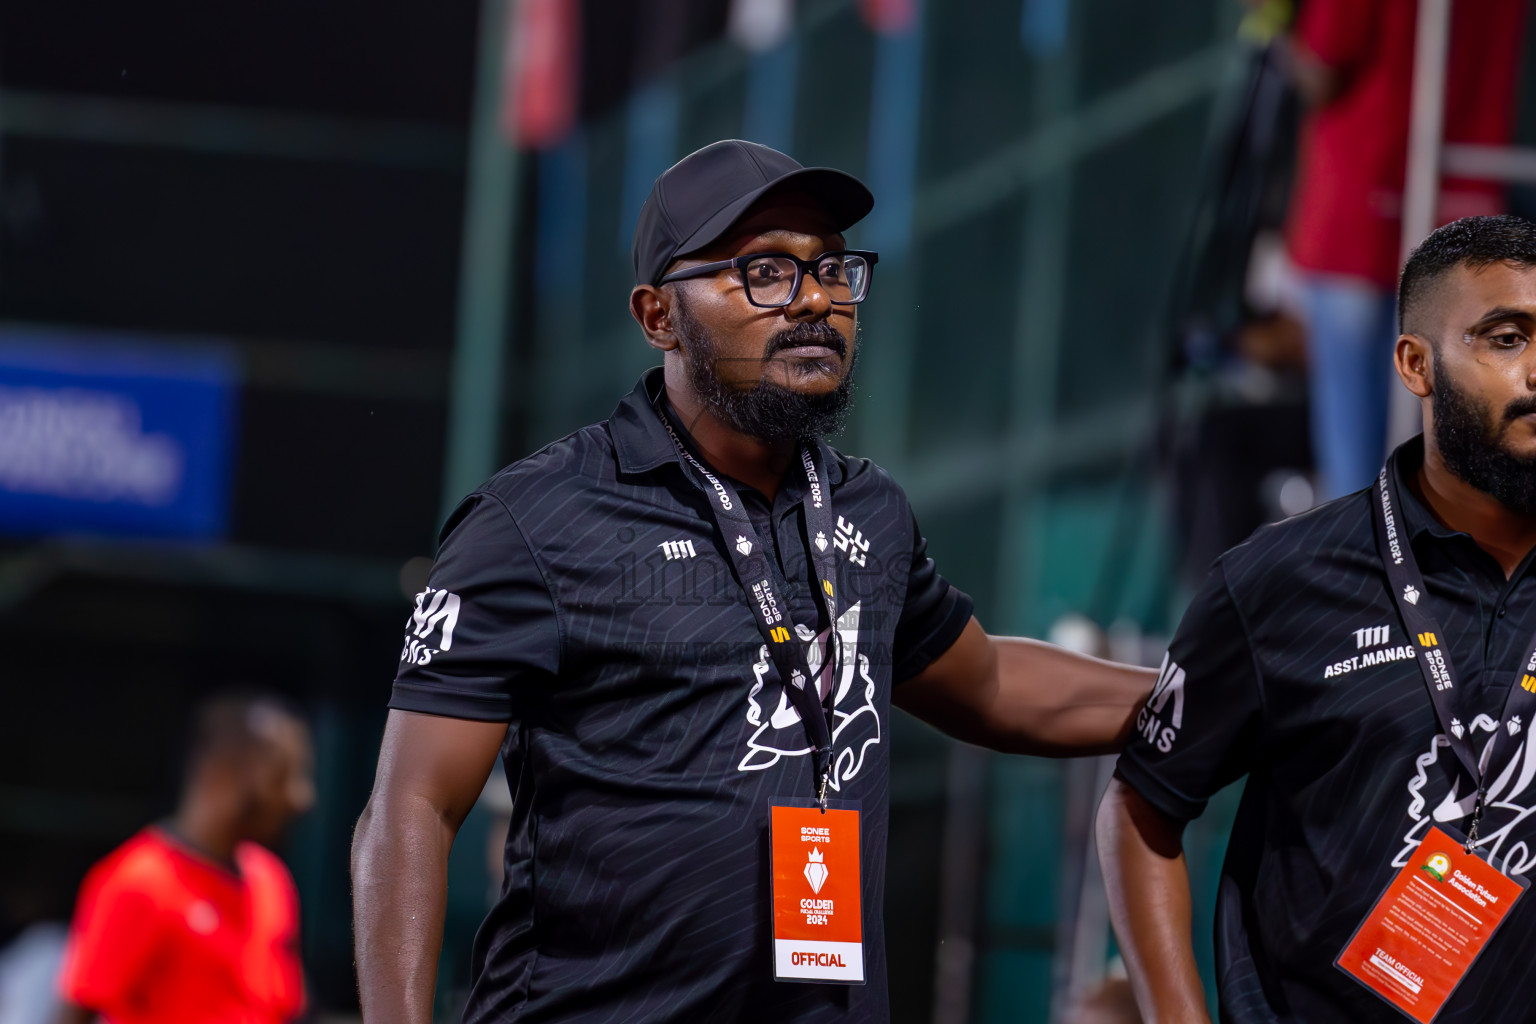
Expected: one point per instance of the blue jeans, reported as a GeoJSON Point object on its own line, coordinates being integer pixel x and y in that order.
{"type": "Point", "coordinates": [1352, 330]}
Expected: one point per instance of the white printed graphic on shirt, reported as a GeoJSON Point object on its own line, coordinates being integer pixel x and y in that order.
{"type": "Point", "coordinates": [1507, 832]}
{"type": "Point", "coordinates": [850, 539]}
{"type": "Point", "coordinates": [1157, 722]}
{"type": "Point", "coordinates": [437, 611]}
{"type": "Point", "coordinates": [856, 721]}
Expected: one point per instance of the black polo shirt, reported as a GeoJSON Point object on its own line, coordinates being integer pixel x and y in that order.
{"type": "Point", "coordinates": [1292, 666]}
{"type": "Point", "coordinates": [585, 597]}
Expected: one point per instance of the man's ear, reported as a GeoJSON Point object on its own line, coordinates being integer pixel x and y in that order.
{"type": "Point", "coordinates": [652, 309]}
{"type": "Point", "coordinates": [1415, 361]}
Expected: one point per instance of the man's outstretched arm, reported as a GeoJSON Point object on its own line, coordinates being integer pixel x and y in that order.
{"type": "Point", "coordinates": [1142, 853]}
{"type": "Point", "coordinates": [1026, 696]}
{"type": "Point", "coordinates": [431, 771]}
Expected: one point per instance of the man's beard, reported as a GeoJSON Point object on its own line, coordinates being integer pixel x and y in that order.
{"type": "Point", "coordinates": [767, 410]}
{"type": "Point", "coordinates": [1469, 443]}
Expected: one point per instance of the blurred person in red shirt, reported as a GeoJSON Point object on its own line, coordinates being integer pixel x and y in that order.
{"type": "Point", "coordinates": [1352, 62]}
{"type": "Point", "coordinates": [194, 919]}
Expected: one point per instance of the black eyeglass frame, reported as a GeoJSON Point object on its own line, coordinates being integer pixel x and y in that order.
{"type": "Point", "coordinates": [801, 267]}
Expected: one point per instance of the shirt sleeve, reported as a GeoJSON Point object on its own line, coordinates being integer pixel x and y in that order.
{"type": "Point", "coordinates": [1340, 33]}
{"type": "Point", "coordinates": [1197, 731]}
{"type": "Point", "coordinates": [114, 936]}
{"type": "Point", "coordinates": [485, 629]}
{"type": "Point", "coordinates": [933, 614]}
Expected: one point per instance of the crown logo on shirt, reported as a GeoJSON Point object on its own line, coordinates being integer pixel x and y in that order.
{"type": "Point", "coordinates": [815, 871]}
{"type": "Point", "coordinates": [1411, 594]}
{"type": "Point", "coordinates": [743, 545]}
{"type": "Point", "coordinates": [821, 541]}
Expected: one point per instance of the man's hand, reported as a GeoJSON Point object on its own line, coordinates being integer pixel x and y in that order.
{"type": "Point", "coordinates": [1026, 697]}
{"type": "Point", "coordinates": [1142, 853]}
{"type": "Point", "coordinates": [431, 770]}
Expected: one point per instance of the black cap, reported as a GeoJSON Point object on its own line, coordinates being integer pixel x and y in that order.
{"type": "Point", "coordinates": [697, 199]}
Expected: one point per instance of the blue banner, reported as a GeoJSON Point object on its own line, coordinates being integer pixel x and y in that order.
{"type": "Point", "coordinates": [113, 435]}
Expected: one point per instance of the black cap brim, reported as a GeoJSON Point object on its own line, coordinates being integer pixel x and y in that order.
{"type": "Point", "coordinates": [842, 195]}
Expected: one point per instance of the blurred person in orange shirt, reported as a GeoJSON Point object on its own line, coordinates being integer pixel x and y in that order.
{"type": "Point", "coordinates": [194, 919]}
{"type": "Point", "coordinates": [1352, 63]}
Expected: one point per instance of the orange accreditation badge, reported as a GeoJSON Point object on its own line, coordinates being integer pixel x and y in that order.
{"type": "Point", "coordinates": [818, 924]}
{"type": "Point", "coordinates": [1426, 930]}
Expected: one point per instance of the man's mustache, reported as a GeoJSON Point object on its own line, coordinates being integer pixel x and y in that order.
{"type": "Point", "coordinates": [818, 333]}
{"type": "Point", "coordinates": [1520, 407]}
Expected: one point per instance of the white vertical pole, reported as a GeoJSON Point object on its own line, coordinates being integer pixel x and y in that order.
{"type": "Point", "coordinates": [1421, 191]}
{"type": "Point", "coordinates": [1425, 121]}
{"type": "Point", "coordinates": [895, 137]}
{"type": "Point", "coordinates": [485, 271]}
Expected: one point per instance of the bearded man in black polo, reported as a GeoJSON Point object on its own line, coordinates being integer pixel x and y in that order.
{"type": "Point", "coordinates": [1369, 666]}
{"type": "Point", "coordinates": [681, 628]}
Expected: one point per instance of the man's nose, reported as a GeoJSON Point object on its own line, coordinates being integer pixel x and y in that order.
{"type": "Point", "coordinates": [811, 302]}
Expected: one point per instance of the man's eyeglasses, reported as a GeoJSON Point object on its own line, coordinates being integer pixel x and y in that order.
{"type": "Point", "coordinates": [773, 278]}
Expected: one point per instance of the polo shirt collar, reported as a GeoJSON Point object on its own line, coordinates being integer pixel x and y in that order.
{"type": "Point", "coordinates": [639, 439]}
{"type": "Point", "coordinates": [1404, 466]}
{"type": "Point", "coordinates": [642, 443]}
{"type": "Point", "coordinates": [1419, 521]}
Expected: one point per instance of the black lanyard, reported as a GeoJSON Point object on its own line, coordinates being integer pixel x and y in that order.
{"type": "Point", "coordinates": [1409, 593]}
{"type": "Point", "coordinates": [765, 590]}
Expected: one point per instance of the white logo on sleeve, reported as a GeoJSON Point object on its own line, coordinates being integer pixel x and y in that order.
{"type": "Point", "coordinates": [1158, 724]}
{"type": "Point", "coordinates": [437, 611]}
